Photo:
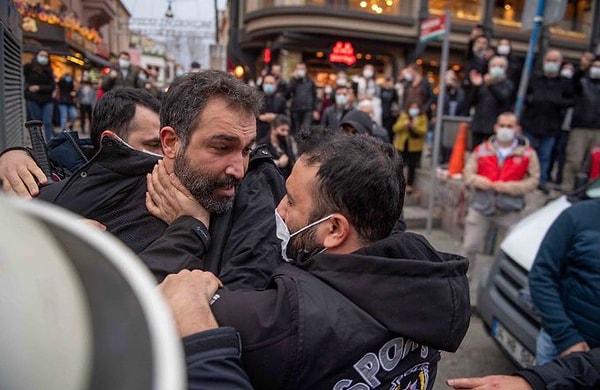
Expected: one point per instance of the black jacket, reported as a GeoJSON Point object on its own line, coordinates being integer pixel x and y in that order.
{"type": "Point", "coordinates": [324, 321]}
{"type": "Point", "coordinates": [586, 113]}
{"type": "Point", "coordinates": [546, 103]}
{"type": "Point", "coordinates": [36, 74]}
{"type": "Point", "coordinates": [579, 370]}
{"type": "Point", "coordinates": [489, 101]}
{"type": "Point", "coordinates": [213, 361]}
{"type": "Point", "coordinates": [274, 104]}
{"type": "Point", "coordinates": [111, 189]}
{"type": "Point", "coordinates": [131, 80]}
{"type": "Point", "coordinates": [303, 93]}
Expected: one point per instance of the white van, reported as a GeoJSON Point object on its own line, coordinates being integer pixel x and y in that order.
{"type": "Point", "coordinates": [503, 298]}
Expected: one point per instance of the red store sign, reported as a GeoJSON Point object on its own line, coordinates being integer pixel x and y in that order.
{"type": "Point", "coordinates": [342, 53]}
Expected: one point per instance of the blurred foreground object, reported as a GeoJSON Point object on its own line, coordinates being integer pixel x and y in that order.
{"type": "Point", "coordinates": [80, 310]}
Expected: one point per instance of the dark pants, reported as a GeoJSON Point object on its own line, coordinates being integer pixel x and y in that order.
{"type": "Point", "coordinates": [411, 160]}
{"type": "Point", "coordinates": [543, 146]}
{"type": "Point", "coordinates": [301, 120]}
{"type": "Point", "coordinates": [42, 112]}
{"type": "Point", "coordinates": [559, 156]}
{"type": "Point", "coordinates": [85, 111]}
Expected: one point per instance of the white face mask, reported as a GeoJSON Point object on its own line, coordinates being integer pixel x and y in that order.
{"type": "Point", "coordinates": [505, 134]}
{"type": "Point", "coordinates": [123, 63]}
{"type": "Point", "coordinates": [283, 233]}
{"type": "Point", "coordinates": [595, 72]}
{"type": "Point", "coordinates": [566, 73]}
{"type": "Point", "coordinates": [368, 73]}
{"type": "Point", "coordinates": [413, 112]}
{"type": "Point", "coordinates": [503, 50]}
{"type": "Point", "coordinates": [300, 73]}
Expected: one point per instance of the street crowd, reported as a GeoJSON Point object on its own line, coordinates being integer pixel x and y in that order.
{"type": "Point", "coordinates": [270, 212]}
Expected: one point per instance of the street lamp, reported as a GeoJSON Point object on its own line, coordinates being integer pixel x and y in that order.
{"type": "Point", "coordinates": [169, 13]}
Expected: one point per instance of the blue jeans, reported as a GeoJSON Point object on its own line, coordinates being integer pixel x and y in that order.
{"type": "Point", "coordinates": [68, 113]}
{"type": "Point", "coordinates": [42, 112]}
{"type": "Point", "coordinates": [545, 350]}
{"type": "Point", "coordinates": [543, 147]}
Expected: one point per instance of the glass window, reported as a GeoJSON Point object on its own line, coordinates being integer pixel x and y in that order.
{"type": "Point", "coordinates": [375, 7]}
{"type": "Point", "coordinates": [462, 9]}
{"type": "Point", "coordinates": [577, 20]}
{"type": "Point", "coordinates": [508, 12]}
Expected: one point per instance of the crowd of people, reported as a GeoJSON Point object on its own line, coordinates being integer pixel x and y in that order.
{"type": "Point", "coordinates": [67, 103]}
{"type": "Point", "coordinates": [273, 212]}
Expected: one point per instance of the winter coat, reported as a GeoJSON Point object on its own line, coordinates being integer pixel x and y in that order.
{"type": "Point", "coordinates": [414, 136]}
{"type": "Point", "coordinates": [303, 93]}
{"type": "Point", "coordinates": [376, 316]}
{"type": "Point", "coordinates": [546, 103]}
{"type": "Point", "coordinates": [489, 101]}
{"type": "Point", "coordinates": [36, 74]}
{"type": "Point", "coordinates": [587, 113]}
{"type": "Point", "coordinates": [565, 277]}
{"type": "Point", "coordinates": [111, 188]}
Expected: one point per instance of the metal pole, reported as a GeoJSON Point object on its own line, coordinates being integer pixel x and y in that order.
{"type": "Point", "coordinates": [438, 120]}
{"type": "Point", "coordinates": [537, 24]}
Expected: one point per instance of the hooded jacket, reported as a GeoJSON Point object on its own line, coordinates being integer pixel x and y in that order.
{"type": "Point", "coordinates": [375, 316]}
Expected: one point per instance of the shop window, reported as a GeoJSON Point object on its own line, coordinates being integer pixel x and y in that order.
{"type": "Point", "coordinates": [577, 21]}
{"type": "Point", "coordinates": [461, 9]}
{"type": "Point", "coordinates": [376, 7]}
{"type": "Point", "coordinates": [508, 12]}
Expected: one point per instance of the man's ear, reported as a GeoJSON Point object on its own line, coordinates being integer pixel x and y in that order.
{"type": "Point", "coordinates": [170, 142]}
{"type": "Point", "coordinates": [338, 231]}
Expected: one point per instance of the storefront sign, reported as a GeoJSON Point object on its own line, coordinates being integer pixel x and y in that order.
{"type": "Point", "coordinates": [432, 28]}
{"type": "Point", "coordinates": [342, 53]}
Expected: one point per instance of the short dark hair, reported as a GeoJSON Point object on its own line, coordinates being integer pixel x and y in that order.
{"type": "Point", "coordinates": [116, 109]}
{"type": "Point", "coordinates": [361, 178]}
{"type": "Point", "coordinates": [279, 120]}
{"type": "Point", "coordinates": [189, 95]}
{"type": "Point", "coordinates": [125, 53]}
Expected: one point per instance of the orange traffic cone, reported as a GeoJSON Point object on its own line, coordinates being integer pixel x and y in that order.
{"type": "Point", "coordinates": [457, 158]}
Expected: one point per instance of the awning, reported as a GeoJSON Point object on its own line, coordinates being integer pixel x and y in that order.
{"type": "Point", "coordinates": [96, 59]}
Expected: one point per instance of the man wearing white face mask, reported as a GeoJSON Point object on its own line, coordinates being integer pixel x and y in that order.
{"type": "Point", "coordinates": [499, 172]}
{"type": "Point", "coordinates": [303, 94]}
{"type": "Point", "coordinates": [344, 313]}
{"type": "Point", "coordinates": [123, 75]}
{"type": "Point", "coordinates": [490, 95]}
{"type": "Point", "coordinates": [548, 97]}
{"type": "Point", "coordinates": [334, 114]}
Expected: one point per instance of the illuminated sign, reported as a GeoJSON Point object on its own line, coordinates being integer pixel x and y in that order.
{"type": "Point", "coordinates": [342, 53]}
{"type": "Point", "coordinates": [267, 55]}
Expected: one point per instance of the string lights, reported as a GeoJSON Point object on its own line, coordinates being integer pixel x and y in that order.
{"type": "Point", "coordinates": [377, 6]}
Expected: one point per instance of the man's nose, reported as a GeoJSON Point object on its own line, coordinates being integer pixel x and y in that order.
{"type": "Point", "coordinates": [236, 167]}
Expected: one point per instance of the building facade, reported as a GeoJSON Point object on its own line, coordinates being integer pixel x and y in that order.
{"type": "Point", "coordinates": [81, 35]}
{"type": "Point", "coordinates": [385, 32]}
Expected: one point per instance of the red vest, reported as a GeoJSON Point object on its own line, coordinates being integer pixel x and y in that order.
{"type": "Point", "coordinates": [514, 167]}
{"type": "Point", "coordinates": [595, 163]}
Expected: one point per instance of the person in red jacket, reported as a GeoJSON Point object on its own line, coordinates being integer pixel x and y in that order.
{"type": "Point", "coordinates": [500, 171]}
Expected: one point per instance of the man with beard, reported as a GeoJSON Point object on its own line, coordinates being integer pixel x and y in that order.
{"type": "Point", "coordinates": [357, 307]}
{"type": "Point", "coordinates": [208, 130]}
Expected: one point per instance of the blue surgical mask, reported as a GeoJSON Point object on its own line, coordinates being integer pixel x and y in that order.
{"type": "Point", "coordinates": [283, 233]}
{"type": "Point", "coordinates": [413, 112]}
{"type": "Point", "coordinates": [269, 89]}
{"type": "Point", "coordinates": [42, 60]}
{"type": "Point", "coordinates": [341, 100]}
